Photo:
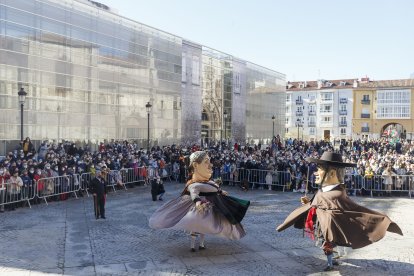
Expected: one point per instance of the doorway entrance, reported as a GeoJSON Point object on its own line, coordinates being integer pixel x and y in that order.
{"type": "Point", "coordinates": [327, 135]}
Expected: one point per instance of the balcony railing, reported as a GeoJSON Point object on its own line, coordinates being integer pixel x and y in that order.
{"type": "Point", "coordinates": [299, 113]}
{"type": "Point", "coordinates": [343, 100]}
{"type": "Point", "coordinates": [299, 102]}
{"type": "Point", "coordinates": [343, 112]}
{"type": "Point", "coordinates": [326, 99]}
{"type": "Point", "coordinates": [311, 124]}
{"type": "Point", "coordinates": [365, 115]}
{"type": "Point", "coordinates": [311, 112]}
{"type": "Point", "coordinates": [364, 129]}
{"type": "Point", "coordinates": [365, 101]}
{"type": "Point", "coordinates": [343, 124]}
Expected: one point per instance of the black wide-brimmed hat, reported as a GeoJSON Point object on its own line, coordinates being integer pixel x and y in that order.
{"type": "Point", "coordinates": [331, 159]}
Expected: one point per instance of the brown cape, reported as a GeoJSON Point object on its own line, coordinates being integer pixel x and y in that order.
{"type": "Point", "coordinates": [342, 221]}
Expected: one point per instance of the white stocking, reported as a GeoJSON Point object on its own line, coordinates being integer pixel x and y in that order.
{"type": "Point", "coordinates": [202, 240]}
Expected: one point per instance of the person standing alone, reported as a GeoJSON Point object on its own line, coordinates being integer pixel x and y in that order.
{"type": "Point", "coordinates": [98, 189]}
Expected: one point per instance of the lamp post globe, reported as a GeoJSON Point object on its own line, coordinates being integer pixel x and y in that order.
{"type": "Point", "coordinates": [22, 99]}
{"type": "Point", "coordinates": [148, 107]}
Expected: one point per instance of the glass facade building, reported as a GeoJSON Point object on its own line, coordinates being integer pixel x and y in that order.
{"type": "Point", "coordinates": [89, 72]}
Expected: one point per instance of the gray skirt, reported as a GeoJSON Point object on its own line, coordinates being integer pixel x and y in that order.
{"type": "Point", "coordinates": [180, 213]}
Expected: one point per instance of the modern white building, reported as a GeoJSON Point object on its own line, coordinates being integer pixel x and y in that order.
{"type": "Point", "coordinates": [319, 110]}
{"type": "Point", "coordinates": [93, 75]}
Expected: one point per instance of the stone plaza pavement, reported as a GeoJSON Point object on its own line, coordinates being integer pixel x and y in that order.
{"type": "Point", "coordinates": [64, 238]}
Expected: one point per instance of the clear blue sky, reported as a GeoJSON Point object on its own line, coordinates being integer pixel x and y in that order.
{"type": "Point", "coordinates": [304, 39]}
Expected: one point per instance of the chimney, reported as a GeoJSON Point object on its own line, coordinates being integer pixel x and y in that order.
{"type": "Point", "coordinates": [355, 85]}
{"type": "Point", "coordinates": [319, 84]}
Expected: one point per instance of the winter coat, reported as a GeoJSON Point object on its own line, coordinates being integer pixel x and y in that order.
{"type": "Point", "coordinates": [343, 221]}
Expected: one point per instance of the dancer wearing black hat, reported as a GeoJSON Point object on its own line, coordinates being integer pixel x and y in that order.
{"type": "Point", "coordinates": [340, 220]}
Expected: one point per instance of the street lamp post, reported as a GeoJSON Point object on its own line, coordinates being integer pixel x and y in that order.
{"type": "Point", "coordinates": [273, 121]}
{"type": "Point", "coordinates": [225, 127]}
{"type": "Point", "coordinates": [148, 107]}
{"type": "Point", "coordinates": [22, 98]}
{"type": "Point", "coordinates": [299, 124]}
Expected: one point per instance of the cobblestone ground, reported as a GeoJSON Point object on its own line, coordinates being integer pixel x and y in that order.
{"type": "Point", "coordinates": [64, 238]}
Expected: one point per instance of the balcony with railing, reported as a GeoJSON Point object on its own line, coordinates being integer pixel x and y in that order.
{"type": "Point", "coordinates": [326, 100]}
{"type": "Point", "coordinates": [343, 123]}
{"type": "Point", "coordinates": [365, 101]}
{"type": "Point", "coordinates": [299, 102]}
{"type": "Point", "coordinates": [365, 115]}
{"type": "Point", "coordinates": [364, 129]}
{"type": "Point", "coordinates": [299, 113]}
{"type": "Point", "coordinates": [311, 112]}
{"type": "Point", "coordinates": [311, 124]}
{"type": "Point", "coordinates": [343, 100]}
{"type": "Point", "coordinates": [343, 112]}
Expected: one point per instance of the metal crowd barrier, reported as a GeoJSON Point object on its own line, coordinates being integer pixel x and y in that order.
{"type": "Point", "coordinates": [380, 184]}
{"type": "Point", "coordinates": [134, 175]}
{"type": "Point", "coordinates": [258, 178]}
{"type": "Point", "coordinates": [57, 186]}
{"type": "Point", "coordinates": [12, 193]}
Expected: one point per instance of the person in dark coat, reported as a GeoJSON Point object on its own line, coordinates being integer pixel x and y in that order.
{"type": "Point", "coordinates": [157, 189]}
{"type": "Point", "coordinates": [98, 189]}
{"type": "Point", "coordinates": [342, 222]}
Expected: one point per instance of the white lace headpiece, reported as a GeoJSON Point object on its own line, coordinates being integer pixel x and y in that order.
{"type": "Point", "coordinates": [196, 155]}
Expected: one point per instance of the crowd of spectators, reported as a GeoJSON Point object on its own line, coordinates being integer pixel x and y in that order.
{"type": "Point", "coordinates": [281, 162]}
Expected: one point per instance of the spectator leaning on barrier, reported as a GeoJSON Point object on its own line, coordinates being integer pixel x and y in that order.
{"type": "Point", "coordinates": [14, 188]}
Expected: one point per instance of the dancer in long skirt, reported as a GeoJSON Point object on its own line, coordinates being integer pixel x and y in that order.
{"type": "Point", "coordinates": [203, 208]}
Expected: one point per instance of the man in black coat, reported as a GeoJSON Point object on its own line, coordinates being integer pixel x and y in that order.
{"type": "Point", "coordinates": [98, 189]}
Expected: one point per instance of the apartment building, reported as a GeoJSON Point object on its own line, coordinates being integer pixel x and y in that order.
{"type": "Point", "coordinates": [383, 108]}
{"type": "Point", "coordinates": [319, 110]}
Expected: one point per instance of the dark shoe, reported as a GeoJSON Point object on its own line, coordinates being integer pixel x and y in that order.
{"type": "Point", "coordinates": [160, 199]}
{"type": "Point", "coordinates": [328, 268]}
{"type": "Point", "coordinates": [202, 247]}
{"type": "Point", "coordinates": [103, 217]}
{"type": "Point", "coordinates": [193, 250]}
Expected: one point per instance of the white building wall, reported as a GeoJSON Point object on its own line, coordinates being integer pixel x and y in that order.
{"type": "Point", "coordinates": [314, 115]}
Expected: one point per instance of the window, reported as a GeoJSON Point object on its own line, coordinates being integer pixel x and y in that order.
{"type": "Point", "coordinates": [342, 107]}
{"type": "Point", "coordinates": [326, 96]}
{"type": "Point", "coordinates": [326, 119]}
{"type": "Point", "coordinates": [236, 85]}
{"type": "Point", "coordinates": [343, 120]}
{"type": "Point", "coordinates": [365, 97]}
{"type": "Point", "coordinates": [196, 70]}
{"type": "Point", "coordinates": [312, 131]}
{"type": "Point", "coordinates": [183, 69]}
{"type": "Point", "coordinates": [312, 108]}
{"type": "Point", "coordinates": [343, 131]}
{"type": "Point", "coordinates": [288, 97]}
{"type": "Point", "coordinates": [287, 109]}
{"type": "Point", "coordinates": [326, 108]}
{"type": "Point", "coordinates": [299, 109]}
{"type": "Point", "coordinates": [287, 130]}
{"type": "Point", "coordinates": [394, 104]}
{"type": "Point", "coordinates": [287, 120]}
{"type": "Point", "coordinates": [312, 120]}
{"type": "Point", "coordinates": [365, 111]}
